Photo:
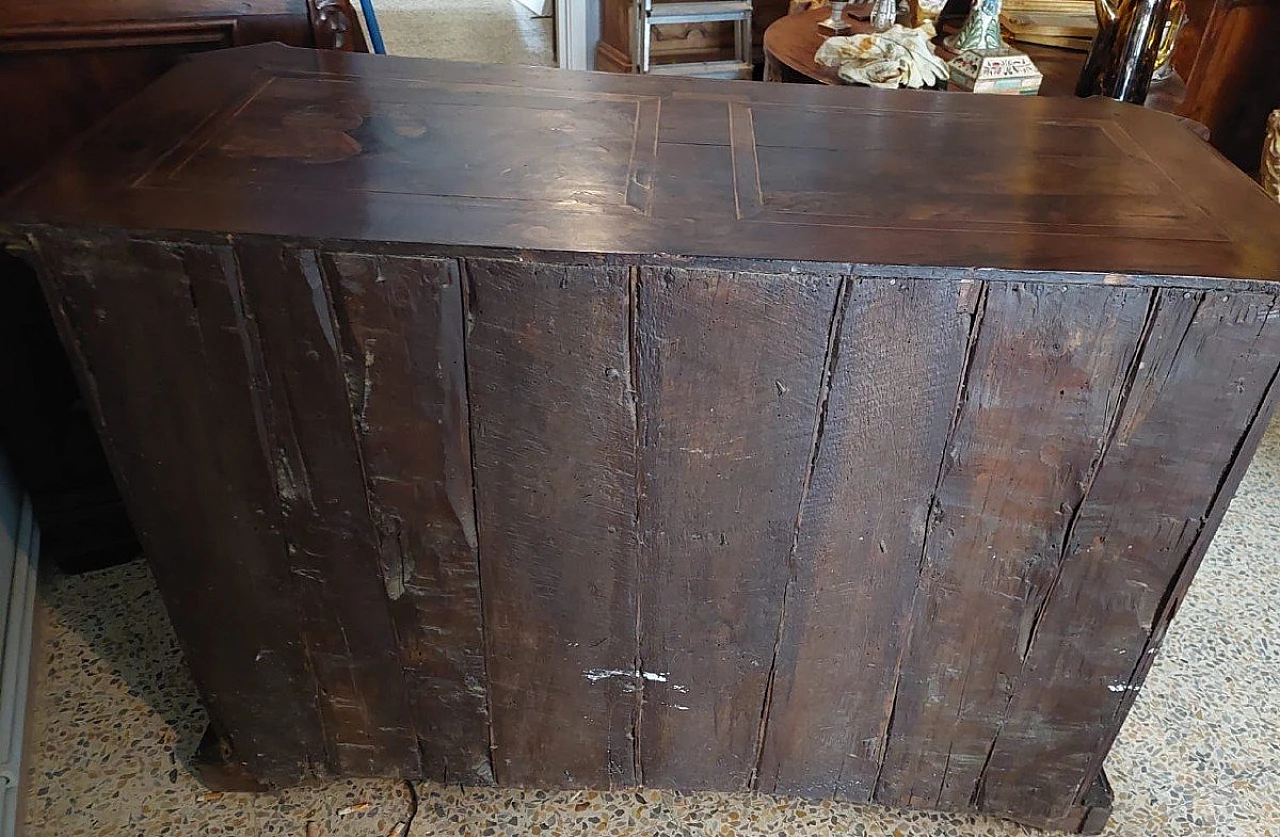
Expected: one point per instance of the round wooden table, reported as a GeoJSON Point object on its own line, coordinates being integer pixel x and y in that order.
{"type": "Point", "coordinates": [791, 41]}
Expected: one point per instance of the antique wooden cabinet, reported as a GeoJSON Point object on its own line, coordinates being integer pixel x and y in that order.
{"type": "Point", "coordinates": [581, 430]}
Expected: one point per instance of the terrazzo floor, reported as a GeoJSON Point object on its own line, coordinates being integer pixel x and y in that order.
{"type": "Point", "coordinates": [116, 717]}
{"type": "Point", "coordinates": [490, 31]}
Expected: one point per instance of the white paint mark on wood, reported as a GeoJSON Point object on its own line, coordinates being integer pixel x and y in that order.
{"type": "Point", "coordinates": [594, 674]}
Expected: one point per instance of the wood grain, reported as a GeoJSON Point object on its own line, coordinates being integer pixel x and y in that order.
{"type": "Point", "coordinates": [553, 429]}
{"type": "Point", "coordinates": [1128, 551]}
{"type": "Point", "coordinates": [166, 375]}
{"type": "Point", "coordinates": [731, 368]}
{"type": "Point", "coordinates": [858, 549]}
{"type": "Point", "coordinates": [322, 487]}
{"type": "Point", "coordinates": [432, 149]}
{"type": "Point", "coordinates": [1047, 372]}
{"type": "Point", "coordinates": [401, 325]}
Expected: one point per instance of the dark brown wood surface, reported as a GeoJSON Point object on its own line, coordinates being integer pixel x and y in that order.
{"type": "Point", "coordinates": [860, 535]}
{"type": "Point", "coordinates": [73, 12]}
{"type": "Point", "coordinates": [322, 484]}
{"type": "Point", "coordinates": [1021, 456]}
{"type": "Point", "coordinates": [801, 173]}
{"type": "Point", "coordinates": [170, 376]}
{"type": "Point", "coordinates": [593, 453]}
{"type": "Point", "coordinates": [555, 458]}
{"type": "Point", "coordinates": [400, 324]}
{"type": "Point", "coordinates": [1131, 547]}
{"type": "Point", "coordinates": [726, 404]}
{"type": "Point", "coordinates": [64, 65]}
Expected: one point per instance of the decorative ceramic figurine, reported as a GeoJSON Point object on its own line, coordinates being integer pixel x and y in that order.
{"type": "Point", "coordinates": [981, 29]}
{"type": "Point", "coordinates": [1271, 157]}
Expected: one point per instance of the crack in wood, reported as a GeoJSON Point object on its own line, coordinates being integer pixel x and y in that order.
{"type": "Point", "coordinates": [324, 763]}
{"type": "Point", "coordinates": [321, 301]}
{"type": "Point", "coordinates": [466, 300]}
{"type": "Point", "coordinates": [247, 328]}
{"type": "Point", "coordinates": [946, 770]}
{"type": "Point", "coordinates": [834, 330]}
{"type": "Point", "coordinates": [319, 276]}
{"type": "Point", "coordinates": [1125, 388]}
{"type": "Point", "coordinates": [1191, 320]}
{"type": "Point", "coordinates": [251, 346]}
{"type": "Point", "coordinates": [633, 378]}
{"type": "Point", "coordinates": [1171, 598]}
{"type": "Point", "coordinates": [962, 393]}
{"type": "Point", "coordinates": [1122, 389]}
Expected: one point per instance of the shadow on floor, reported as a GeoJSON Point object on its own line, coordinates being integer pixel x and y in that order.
{"type": "Point", "coordinates": [118, 620]}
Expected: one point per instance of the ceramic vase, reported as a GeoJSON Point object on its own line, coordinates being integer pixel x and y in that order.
{"type": "Point", "coordinates": [981, 29]}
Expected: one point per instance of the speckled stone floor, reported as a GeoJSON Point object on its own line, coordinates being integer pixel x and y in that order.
{"type": "Point", "coordinates": [490, 31]}
{"type": "Point", "coordinates": [116, 718]}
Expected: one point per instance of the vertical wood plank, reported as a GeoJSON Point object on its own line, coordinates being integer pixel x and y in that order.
{"type": "Point", "coordinates": [730, 372]}
{"type": "Point", "coordinates": [1048, 369]}
{"type": "Point", "coordinates": [858, 550]}
{"type": "Point", "coordinates": [401, 321]}
{"type": "Point", "coordinates": [321, 483]}
{"type": "Point", "coordinates": [1206, 368]}
{"type": "Point", "coordinates": [156, 333]}
{"type": "Point", "coordinates": [553, 428]}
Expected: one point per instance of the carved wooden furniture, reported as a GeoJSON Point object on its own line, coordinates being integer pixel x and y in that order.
{"type": "Point", "coordinates": [577, 430]}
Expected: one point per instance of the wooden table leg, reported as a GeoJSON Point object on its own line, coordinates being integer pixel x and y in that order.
{"type": "Point", "coordinates": [772, 68]}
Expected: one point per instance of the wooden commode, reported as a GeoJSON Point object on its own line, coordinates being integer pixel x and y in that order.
{"type": "Point", "coordinates": [494, 424]}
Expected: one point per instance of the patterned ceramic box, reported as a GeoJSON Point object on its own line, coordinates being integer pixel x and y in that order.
{"type": "Point", "coordinates": [995, 71]}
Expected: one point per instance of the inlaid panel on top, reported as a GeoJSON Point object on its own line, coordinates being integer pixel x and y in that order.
{"type": "Point", "coordinates": [803, 165]}
{"type": "Point", "coordinates": [421, 138]}
{"type": "Point", "coordinates": [333, 146]}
